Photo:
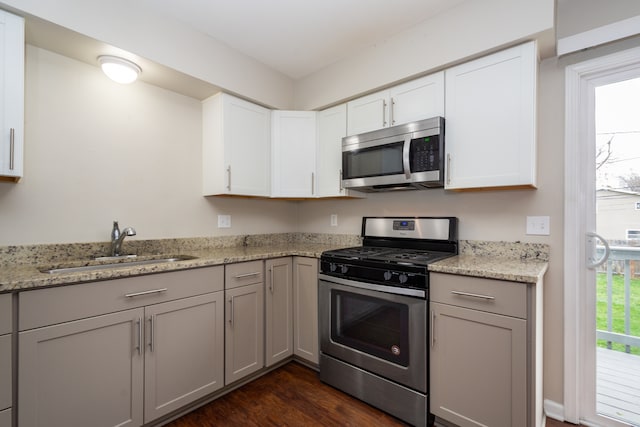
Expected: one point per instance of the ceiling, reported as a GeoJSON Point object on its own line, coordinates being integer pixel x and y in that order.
{"type": "Point", "coordinates": [298, 37]}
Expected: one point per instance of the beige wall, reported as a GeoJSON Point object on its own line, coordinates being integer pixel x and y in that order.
{"type": "Point", "coordinates": [130, 26]}
{"type": "Point", "coordinates": [96, 151]}
{"type": "Point", "coordinates": [577, 16]}
{"type": "Point", "coordinates": [470, 28]}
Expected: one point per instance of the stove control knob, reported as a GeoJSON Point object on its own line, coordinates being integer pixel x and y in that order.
{"type": "Point", "coordinates": [333, 267]}
{"type": "Point", "coordinates": [344, 269]}
{"type": "Point", "coordinates": [387, 275]}
{"type": "Point", "coordinates": [403, 278]}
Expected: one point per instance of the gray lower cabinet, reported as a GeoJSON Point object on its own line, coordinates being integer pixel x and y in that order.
{"type": "Point", "coordinates": [184, 352]}
{"type": "Point", "coordinates": [87, 372]}
{"type": "Point", "coordinates": [244, 319]}
{"type": "Point", "coordinates": [158, 347]}
{"type": "Point", "coordinates": [278, 310]}
{"type": "Point", "coordinates": [305, 303]}
{"type": "Point", "coordinates": [485, 351]}
{"type": "Point", "coordinates": [6, 365]}
{"type": "Point", "coordinates": [5, 418]}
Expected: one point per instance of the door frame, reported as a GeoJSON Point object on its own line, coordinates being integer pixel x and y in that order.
{"type": "Point", "coordinates": [580, 82]}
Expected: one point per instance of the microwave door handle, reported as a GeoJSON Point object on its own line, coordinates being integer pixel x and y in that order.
{"type": "Point", "coordinates": [405, 157]}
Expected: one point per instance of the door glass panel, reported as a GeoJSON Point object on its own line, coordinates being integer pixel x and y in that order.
{"type": "Point", "coordinates": [618, 222]}
{"type": "Point", "coordinates": [374, 161]}
{"type": "Point", "coordinates": [371, 325]}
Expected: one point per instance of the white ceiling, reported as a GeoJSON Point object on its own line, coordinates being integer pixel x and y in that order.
{"type": "Point", "coordinates": [299, 37]}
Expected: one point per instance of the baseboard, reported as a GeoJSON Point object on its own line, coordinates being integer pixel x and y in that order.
{"type": "Point", "coordinates": [554, 410]}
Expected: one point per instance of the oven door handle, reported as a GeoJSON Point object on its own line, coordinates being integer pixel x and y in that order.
{"type": "Point", "coordinates": [375, 287]}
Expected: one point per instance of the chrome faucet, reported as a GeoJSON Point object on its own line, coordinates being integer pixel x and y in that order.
{"type": "Point", "coordinates": [117, 238]}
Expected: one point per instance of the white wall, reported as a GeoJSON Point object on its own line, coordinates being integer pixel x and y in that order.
{"type": "Point", "coordinates": [470, 28]}
{"type": "Point", "coordinates": [129, 26]}
{"type": "Point", "coordinates": [577, 16]}
{"type": "Point", "coordinates": [96, 151]}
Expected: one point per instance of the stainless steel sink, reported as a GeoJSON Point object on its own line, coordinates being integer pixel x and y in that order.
{"type": "Point", "coordinates": [105, 263]}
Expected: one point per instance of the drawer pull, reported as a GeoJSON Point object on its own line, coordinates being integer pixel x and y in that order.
{"type": "Point", "coordinates": [467, 294]}
{"type": "Point", "coordinates": [242, 276]}
{"type": "Point", "coordinates": [153, 291]}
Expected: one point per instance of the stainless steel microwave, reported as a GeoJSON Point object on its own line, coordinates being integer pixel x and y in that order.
{"type": "Point", "coordinates": [403, 157]}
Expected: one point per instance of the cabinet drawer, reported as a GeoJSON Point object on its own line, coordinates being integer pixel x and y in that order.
{"type": "Point", "coordinates": [5, 418]}
{"type": "Point", "coordinates": [243, 273]}
{"type": "Point", "coordinates": [44, 307]}
{"type": "Point", "coordinates": [6, 315]}
{"type": "Point", "coordinates": [494, 296]}
{"type": "Point", "coordinates": [5, 371]}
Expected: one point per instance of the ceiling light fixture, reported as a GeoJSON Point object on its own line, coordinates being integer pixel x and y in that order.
{"type": "Point", "coordinates": [119, 70]}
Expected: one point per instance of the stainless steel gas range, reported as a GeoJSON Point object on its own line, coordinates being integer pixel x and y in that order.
{"type": "Point", "coordinates": [373, 305]}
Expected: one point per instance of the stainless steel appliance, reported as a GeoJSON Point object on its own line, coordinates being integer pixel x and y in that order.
{"type": "Point", "coordinates": [373, 305]}
{"type": "Point", "coordinates": [403, 157]}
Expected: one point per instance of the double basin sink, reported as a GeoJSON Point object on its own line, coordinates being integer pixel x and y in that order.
{"type": "Point", "coordinates": [105, 263]}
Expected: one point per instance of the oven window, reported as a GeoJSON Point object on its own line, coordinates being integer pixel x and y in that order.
{"type": "Point", "coordinates": [371, 325]}
{"type": "Point", "coordinates": [374, 161]}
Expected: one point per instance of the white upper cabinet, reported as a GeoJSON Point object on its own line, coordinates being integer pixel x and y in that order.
{"type": "Point", "coordinates": [235, 147]}
{"type": "Point", "coordinates": [368, 113]}
{"type": "Point", "coordinates": [332, 127]}
{"type": "Point", "coordinates": [12, 95]}
{"type": "Point", "coordinates": [293, 153]}
{"type": "Point", "coordinates": [415, 100]}
{"type": "Point", "coordinates": [491, 121]}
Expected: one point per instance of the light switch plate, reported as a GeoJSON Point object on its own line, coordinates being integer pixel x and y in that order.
{"type": "Point", "coordinates": [224, 221]}
{"type": "Point", "coordinates": [334, 220]}
{"type": "Point", "coordinates": [538, 225]}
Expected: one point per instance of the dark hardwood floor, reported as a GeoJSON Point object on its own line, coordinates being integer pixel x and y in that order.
{"type": "Point", "coordinates": [291, 396]}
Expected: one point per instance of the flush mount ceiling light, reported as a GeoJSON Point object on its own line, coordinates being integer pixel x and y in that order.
{"type": "Point", "coordinates": [119, 70]}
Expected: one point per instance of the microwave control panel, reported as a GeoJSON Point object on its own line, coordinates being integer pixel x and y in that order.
{"type": "Point", "coordinates": [425, 154]}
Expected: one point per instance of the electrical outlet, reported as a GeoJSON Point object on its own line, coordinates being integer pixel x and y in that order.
{"type": "Point", "coordinates": [224, 221]}
{"type": "Point", "coordinates": [334, 220]}
{"type": "Point", "coordinates": [538, 225]}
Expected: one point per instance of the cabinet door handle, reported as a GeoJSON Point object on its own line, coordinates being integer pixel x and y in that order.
{"type": "Point", "coordinates": [12, 146]}
{"type": "Point", "coordinates": [313, 183]}
{"type": "Point", "coordinates": [468, 294]}
{"type": "Point", "coordinates": [384, 114]}
{"type": "Point", "coordinates": [242, 276]}
{"type": "Point", "coordinates": [229, 178]}
{"type": "Point", "coordinates": [139, 343]}
{"type": "Point", "coordinates": [448, 168]}
{"type": "Point", "coordinates": [231, 312]}
{"type": "Point", "coordinates": [152, 291]}
{"type": "Point", "coordinates": [151, 332]}
{"type": "Point", "coordinates": [433, 328]}
{"type": "Point", "coordinates": [271, 280]}
{"type": "Point", "coordinates": [391, 118]}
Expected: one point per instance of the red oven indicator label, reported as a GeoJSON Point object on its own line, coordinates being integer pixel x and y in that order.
{"type": "Point", "coordinates": [395, 350]}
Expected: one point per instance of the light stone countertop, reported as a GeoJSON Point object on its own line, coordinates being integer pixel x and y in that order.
{"type": "Point", "coordinates": [20, 266]}
{"type": "Point", "coordinates": [492, 267]}
{"type": "Point", "coordinates": [28, 276]}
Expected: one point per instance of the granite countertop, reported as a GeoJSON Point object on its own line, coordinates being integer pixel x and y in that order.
{"type": "Point", "coordinates": [28, 276]}
{"type": "Point", "coordinates": [492, 267]}
{"type": "Point", "coordinates": [20, 266]}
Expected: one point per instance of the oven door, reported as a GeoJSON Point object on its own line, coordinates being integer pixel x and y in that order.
{"type": "Point", "coordinates": [377, 331]}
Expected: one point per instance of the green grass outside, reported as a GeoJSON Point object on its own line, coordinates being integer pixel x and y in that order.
{"type": "Point", "coordinates": [618, 308]}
